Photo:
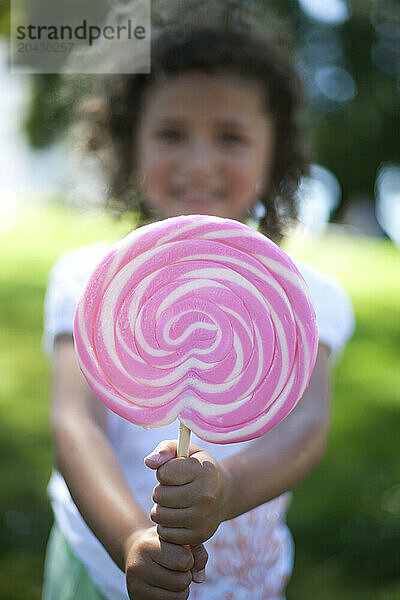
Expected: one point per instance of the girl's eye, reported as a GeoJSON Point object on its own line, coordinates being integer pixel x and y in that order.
{"type": "Point", "coordinates": [232, 139]}
{"type": "Point", "coordinates": [170, 135]}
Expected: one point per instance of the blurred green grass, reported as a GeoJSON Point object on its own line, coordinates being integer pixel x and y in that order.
{"type": "Point", "coordinates": [345, 517]}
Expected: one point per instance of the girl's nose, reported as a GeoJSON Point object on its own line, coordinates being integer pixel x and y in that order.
{"type": "Point", "coordinates": [199, 159]}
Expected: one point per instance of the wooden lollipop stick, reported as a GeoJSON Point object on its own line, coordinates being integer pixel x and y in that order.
{"type": "Point", "coordinates": [183, 441]}
{"type": "Point", "coordinates": [183, 450]}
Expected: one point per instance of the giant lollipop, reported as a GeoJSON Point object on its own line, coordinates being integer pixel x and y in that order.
{"type": "Point", "coordinates": [202, 319]}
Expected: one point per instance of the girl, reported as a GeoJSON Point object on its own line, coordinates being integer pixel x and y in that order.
{"type": "Point", "coordinates": [212, 130]}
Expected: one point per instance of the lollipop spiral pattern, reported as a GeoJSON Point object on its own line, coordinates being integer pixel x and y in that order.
{"type": "Point", "coordinates": [199, 318]}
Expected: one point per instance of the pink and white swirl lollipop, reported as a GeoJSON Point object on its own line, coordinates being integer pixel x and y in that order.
{"type": "Point", "coordinates": [202, 319]}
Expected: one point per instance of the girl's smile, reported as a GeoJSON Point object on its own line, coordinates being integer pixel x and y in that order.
{"type": "Point", "coordinates": [205, 145]}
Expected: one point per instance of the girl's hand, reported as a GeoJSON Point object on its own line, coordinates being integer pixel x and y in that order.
{"type": "Point", "coordinates": [158, 570]}
{"type": "Point", "coordinates": [190, 496]}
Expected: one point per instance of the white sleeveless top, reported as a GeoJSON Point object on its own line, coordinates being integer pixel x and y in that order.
{"type": "Point", "coordinates": [250, 556]}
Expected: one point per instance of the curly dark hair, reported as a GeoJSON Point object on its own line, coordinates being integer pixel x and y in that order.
{"type": "Point", "coordinates": [208, 36]}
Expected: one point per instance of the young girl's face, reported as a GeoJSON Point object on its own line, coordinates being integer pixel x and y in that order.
{"type": "Point", "coordinates": [205, 145]}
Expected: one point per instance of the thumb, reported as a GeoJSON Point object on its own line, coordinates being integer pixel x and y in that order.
{"type": "Point", "coordinates": [161, 454]}
{"type": "Point", "coordinates": [166, 451]}
{"type": "Point", "coordinates": [200, 556]}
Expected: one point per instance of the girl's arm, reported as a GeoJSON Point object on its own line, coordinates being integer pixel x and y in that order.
{"type": "Point", "coordinates": [279, 460]}
{"type": "Point", "coordinates": [86, 459]}
{"type": "Point", "coordinates": [194, 496]}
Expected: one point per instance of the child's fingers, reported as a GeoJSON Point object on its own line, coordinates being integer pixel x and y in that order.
{"type": "Point", "coordinates": [195, 493]}
{"type": "Point", "coordinates": [179, 471]}
{"type": "Point", "coordinates": [173, 581]}
{"type": "Point", "coordinates": [179, 535]}
{"type": "Point", "coordinates": [158, 570]}
{"type": "Point", "coordinates": [200, 556]}
{"type": "Point", "coordinates": [172, 517]}
{"type": "Point", "coordinates": [151, 592]}
{"type": "Point", "coordinates": [162, 453]}
{"type": "Point", "coordinates": [173, 496]}
{"type": "Point", "coordinates": [165, 451]}
{"type": "Point", "coordinates": [173, 557]}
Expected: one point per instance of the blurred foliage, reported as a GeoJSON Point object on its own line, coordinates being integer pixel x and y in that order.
{"type": "Point", "coordinates": [345, 517]}
{"type": "Point", "coordinates": [4, 17]}
{"type": "Point", "coordinates": [351, 138]}
{"type": "Point", "coordinates": [355, 140]}
{"type": "Point", "coordinates": [48, 113]}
